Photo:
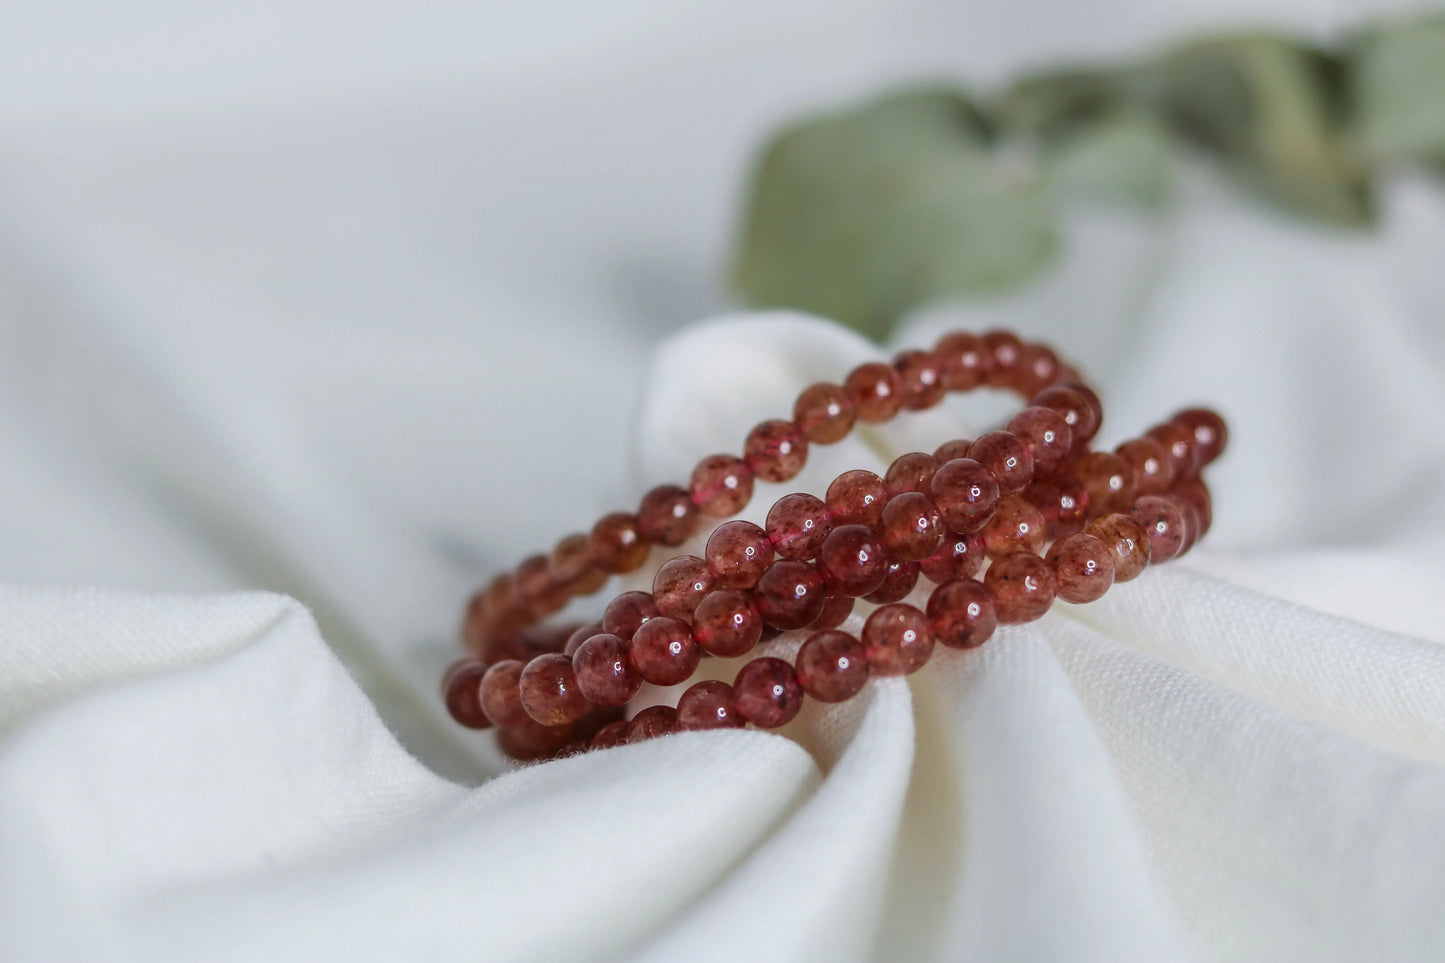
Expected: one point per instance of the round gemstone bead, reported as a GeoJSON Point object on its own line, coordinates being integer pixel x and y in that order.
{"type": "Point", "coordinates": [825, 413]}
{"type": "Point", "coordinates": [1038, 369]}
{"type": "Point", "coordinates": [960, 556]}
{"type": "Point", "coordinates": [910, 527]}
{"type": "Point", "coordinates": [707, 705]}
{"type": "Point", "coordinates": [579, 635]}
{"type": "Point", "coordinates": [1006, 455]}
{"type": "Point", "coordinates": [462, 692]}
{"type": "Point", "coordinates": [910, 473]}
{"type": "Point", "coordinates": [1180, 443]}
{"type": "Point", "coordinates": [920, 373]}
{"type": "Point", "coordinates": [738, 553]}
{"type": "Point", "coordinates": [776, 450]}
{"type": "Point", "coordinates": [766, 693]}
{"type": "Point", "coordinates": [1108, 479]}
{"type": "Point", "coordinates": [612, 734]}
{"type": "Point", "coordinates": [1091, 399]}
{"type": "Point", "coordinates": [1194, 491]}
{"type": "Point", "coordinates": [501, 696]}
{"type": "Point", "coordinates": [663, 652]}
{"type": "Point", "coordinates": [962, 614]}
{"type": "Point", "coordinates": [1150, 462]}
{"type": "Point", "coordinates": [899, 581]}
{"type": "Point", "coordinates": [856, 498]}
{"type": "Point", "coordinates": [832, 666]}
{"type": "Point", "coordinates": [616, 544]}
{"type": "Point", "coordinates": [898, 639]}
{"type": "Point", "coordinates": [680, 584]}
{"type": "Point", "coordinates": [571, 566]}
{"type": "Point", "coordinates": [539, 593]}
{"type": "Point", "coordinates": [549, 691]}
{"type": "Point", "coordinates": [1007, 352]}
{"type": "Point", "coordinates": [949, 450]}
{"type": "Point", "coordinates": [1047, 435]}
{"type": "Point", "coordinates": [1081, 416]}
{"type": "Point", "coordinates": [1017, 526]}
{"type": "Point", "coordinates": [721, 485]}
{"type": "Point", "coordinates": [1022, 587]}
{"type": "Point", "coordinates": [1083, 567]}
{"type": "Point", "coordinates": [529, 740]}
{"type": "Point", "coordinates": [652, 722]}
{"type": "Point", "coordinates": [1210, 432]}
{"type": "Point", "coordinates": [965, 494]}
{"type": "Point", "coordinates": [852, 561]}
{"type": "Point", "coordinates": [875, 390]}
{"type": "Point", "coordinates": [1127, 540]}
{"type": "Point", "coordinates": [604, 671]}
{"type": "Point", "coordinates": [667, 515]}
{"type": "Point", "coordinates": [727, 623]}
{"type": "Point", "coordinates": [626, 613]}
{"type": "Point", "coordinates": [966, 362]}
{"type": "Point", "coordinates": [1164, 525]}
{"type": "Point", "coordinates": [1064, 504]}
{"type": "Point", "coordinates": [797, 525]}
{"type": "Point", "coordinates": [836, 609]}
{"type": "Point", "coordinates": [790, 595]}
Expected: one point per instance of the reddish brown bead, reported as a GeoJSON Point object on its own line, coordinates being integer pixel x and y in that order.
{"type": "Point", "coordinates": [856, 498]}
{"type": "Point", "coordinates": [1092, 399]}
{"type": "Point", "coordinates": [1017, 526]}
{"type": "Point", "coordinates": [1006, 455]}
{"type": "Point", "coordinates": [790, 595]}
{"type": "Point", "coordinates": [707, 705]}
{"type": "Point", "coordinates": [727, 623]}
{"type": "Point", "coordinates": [776, 450]}
{"type": "Point", "coordinates": [1022, 587]}
{"type": "Point", "coordinates": [910, 473]}
{"type": "Point", "coordinates": [663, 652]}
{"type": "Point", "coordinates": [797, 525]}
{"type": "Point", "coordinates": [898, 640]}
{"type": "Point", "coordinates": [1164, 525]}
{"type": "Point", "coordinates": [1127, 540]}
{"type": "Point", "coordinates": [832, 666]}
{"type": "Point", "coordinates": [529, 740]}
{"type": "Point", "coordinates": [960, 556]}
{"type": "Point", "coordinates": [652, 722]}
{"type": "Point", "coordinates": [549, 691]}
{"type": "Point", "coordinates": [462, 693]}
{"type": "Point", "coordinates": [680, 584]}
{"type": "Point", "coordinates": [667, 516]}
{"type": "Point", "coordinates": [836, 609]}
{"type": "Point", "coordinates": [852, 561]}
{"type": "Point", "coordinates": [875, 390]}
{"type": "Point", "coordinates": [1064, 504]}
{"type": "Point", "coordinates": [1047, 436]}
{"type": "Point", "coordinates": [825, 413]}
{"type": "Point", "coordinates": [477, 622]}
{"type": "Point", "coordinates": [910, 527]}
{"type": "Point", "coordinates": [721, 485]}
{"type": "Point", "coordinates": [501, 696]}
{"type": "Point", "coordinates": [1108, 479]}
{"type": "Point", "coordinates": [1179, 442]}
{"type": "Point", "coordinates": [1196, 493]}
{"type": "Point", "coordinates": [539, 593]}
{"type": "Point", "coordinates": [1078, 413]}
{"type": "Point", "coordinates": [1038, 369]}
{"type": "Point", "coordinates": [1192, 521]}
{"type": "Point", "coordinates": [616, 544]}
{"type": "Point", "coordinates": [962, 614]}
{"type": "Point", "coordinates": [1151, 465]}
{"type": "Point", "coordinates": [766, 693]}
{"type": "Point", "coordinates": [1210, 432]}
{"type": "Point", "coordinates": [626, 613]}
{"type": "Point", "coordinates": [899, 581]}
{"type": "Point", "coordinates": [550, 637]}
{"type": "Point", "coordinates": [572, 567]}
{"type": "Point", "coordinates": [504, 648]}
{"type": "Point", "coordinates": [1083, 567]}
{"type": "Point", "coordinates": [965, 494]}
{"type": "Point", "coordinates": [738, 553]}
{"type": "Point", "coordinates": [604, 672]}
{"type": "Point", "coordinates": [579, 635]}
{"type": "Point", "coordinates": [612, 734]}
{"type": "Point", "coordinates": [949, 450]}
{"type": "Point", "coordinates": [1007, 353]}
{"type": "Point", "coordinates": [966, 362]}
{"type": "Point", "coordinates": [920, 373]}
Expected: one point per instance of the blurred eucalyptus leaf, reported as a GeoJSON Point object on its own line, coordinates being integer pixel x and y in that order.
{"type": "Point", "coordinates": [1125, 158]}
{"type": "Point", "coordinates": [1397, 85]}
{"type": "Point", "coordinates": [1055, 106]}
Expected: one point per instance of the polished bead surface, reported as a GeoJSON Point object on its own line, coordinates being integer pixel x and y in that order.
{"type": "Point", "coordinates": [501, 697]}
{"type": "Point", "coordinates": [680, 584]}
{"type": "Point", "coordinates": [898, 640]}
{"type": "Point", "coordinates": [727, 623]}
{"type": "Point", "coordinates": [539, 593]}
{"type": "Point", "coordinates": [1127, 540]}
{"type": "Point", "coordinates": [836, 609]}
{"type": "Point", "coordinates": [966, 362]}
{"type": "Point", "coordinates": [911, 527]}
{"type": "Point", "coordinates": [1017, 526]}
{"type": "Point", "coordinates": [960, 556]}
{"type": "Point", "coordinates": [1005, 455]}
{"type": "Point", "coordinates": [790, 595]}
{"type": "Point", "coordinates": [1152, 466]}
{"type": "Point", "coordinates": [721, 485]}
{"type": "Point", "coordinates": [875, 390]}
{"type": "Point", "coordinates": [1163, 523]}
{"type": "Point", "coordinates": [910, 473]}
{"type": "Point", "coordinates": [1081, 416]}
{"type": "Point", "coordinates": [1090, 398]}
{"type": "Point", "coordinates": [949, 450]}
{"type": "Point", "coordinates": [1194, 491]}
{"type": "Point", "coordinates": [738, 553]}
{"type": "Point", "coordinates": [1038, 368]}
{"type": "Point", "coordinates": [549, 690]}
{"type": "Point", "coordinates": [856, 498]}
{"type": "Point", "coordinates": [899, 581]}
{"type": "Point", "coordinates": [832, 666]}
{"type": "Point", "coordinates": [529, 740]}
{"type": "Point", "coordinates": [667, 515]}
{"type": "Point", "coordinates": [1210, 432]}
{"type": "Point", "coordinates": [603, 670]}
{"type": "Point", "coordinates": [1180, 443]}
{"type": "Point", "coordinates": [612, 734]}
{"type": "Point", "coordinates": [707, 705]}
{"type": "Point", "coordinates": [652, 722]}
{"type": "Point", "coordinates": [851, 562]}
{"type": "Point", "coordinates": [1047, 435]}
{"type": "Point", "coordinates": [572, 567]}
{"type": "Point", "coordinates": [797, 525]}
{"type": "Point", "coordinates": [579, 635]}
{"type": "Point", "coordinates": [825, 413]}
{"type": "Point", "coordinates": [776, 450]}
{"type": "Point", "coordinates": [1022, 587]}
{"type": "Point", "coordinates": [766, 693]}
{"type": "Point", "coordinates": [1108, 479]}
{"type": "Point", "coordinates": [1083, 567]}
{"type": "Point", "coordinates": [962, 614]}
{"type": "Point", "coordinates": [920, 376]}
{"type": "Point", "coordinates": [965, 493]}
{"type": "Point", "coordinates": [1007, 354]}
{"type": "Point", "coordinates": [616, 545]}
{"type": "Point", "coordinates": [462, 693]}
{"type": "Point", "coordinates": [1064, 503]}
{"type": "Point", "coordinates": [663, 651]}
{"type": "Point", "coordinates": [626, 613]}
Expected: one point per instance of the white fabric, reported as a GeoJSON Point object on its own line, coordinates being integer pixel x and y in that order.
{"type": "Point", "coordinates": [356, 335]}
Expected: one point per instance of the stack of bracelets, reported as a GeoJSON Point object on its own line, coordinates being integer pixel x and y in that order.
{"type": "Point", "coordinates": [1050, 519]}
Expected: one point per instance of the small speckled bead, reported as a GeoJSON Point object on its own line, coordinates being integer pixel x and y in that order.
{"type": "Point", "coordinates": [612, 734]}
{"type": "Point", "coordinates": [1007, 457]}
{"type": "Point", "coordinates": [1022, 587]}
{"type": "Point", "coordinates": [960, 556]}
{"type": "Point", "coordinates": [825, 413]}
{"type": "Point", "coordinates": [604, 672]}
{"type": "Point", "coordinates": [652, 722]}
{"type": "Point", "coordinates": [1151, 464]}
{"type": "Point", "coordinates": [875, 390]}
{"type": "Point", "coordinates": [898, 640]}
{"type": "Point", "coordinates": [962, 614]}
{"type": "Point", "coordinates": [721, 485]}
{"type": "Point", "coordinates": [707, 705]}
{"type": "Point", "coordinates": [836, 609]}
{"type": "Point", "coordinates": [667, 516]}
{"type": "Point", "coordinates": [1179, 442]}
{"type": "Point", "coordinates": [1091, 398]}
{"type": "Point", "coordinates": [1194, 491]}
{"type": "Point", "coordinates": [920, 373]}
{"type": "Point", "coordinates": [790, 595]}
{"type": "Point", "coordinates": [766, 693]}
{"type": "Point", "coordinates": [899, 581]}
{"type": "Point", "coordinates": [529, 741]}
{"type": "Point", "coordinates": [832, 666]}
{"type": "Point", "coordinates": [852, 561]}
{"type": "Point", "coordinates": [949, 450]}
{"type": "Point", "coordinates": [616, 544]}
{"type": "Point", "coordinates": [680, 584]}
{"type": "Point", "coordinates": [501, 698]}
{"type": "Point", "coordinates": [738, 553]}
{"type": "Point", "coordinates": [626, 613]}
{"type": "Point", "coordinates": [911, 527]}
{"type": "Point", "coordinates": [856, 498]}
{"type": "Point", "coordinates": [1007, 352]}
{"type": "Point", "coordinates": [775, 450]}
{"type": "Point", "coordinates": [1127, 540]}
{"type": "Point", "coordinates": [966, 362]}
{"type": "Point", "coordinates": [910, 473]}
{"type": "Point", "coordinates": [1211, 434]}
{"type": "Point", "coordinates": [797, 525]}
{"type": "Point", "coordinates": [663, 652]}
{"type": "Point", "coordinates": [462, 692]}
{"type": "Point", "coordinates": [1083, 567]}
{"type": "Point", "coordinates": [1047, 435]}
{"type": "Point", "coordinates": [1108, 479]}
{"type": "Point", "coordinates": [1164, 524]}
{"type": "Point", "coordinates": [1064, 504]}
{"type": "Point", "coordinates": [571, 566]}
{"type": "Point", "coordinates": [1038, 369]}
{"type": "Point", "coordinates": [727, 623]}
{"type": "Point", "coordinates": [965, 494]}
{"type": "Point", "coordinates": [549, 691]}
{"type": "Point", "coordinates": [1078, 413]}
{"type": "Point", "coordinates": [579, 635]}
{"type": "Point", "coordinates": [1017, 526]}
{"type": "Point", "coordinates": [539, 593]}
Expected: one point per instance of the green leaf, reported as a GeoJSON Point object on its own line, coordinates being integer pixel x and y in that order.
{"type": "Point", "coordinates": [1397, 87]}
{"type": "Point", "coordinates": [1125, 158]}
